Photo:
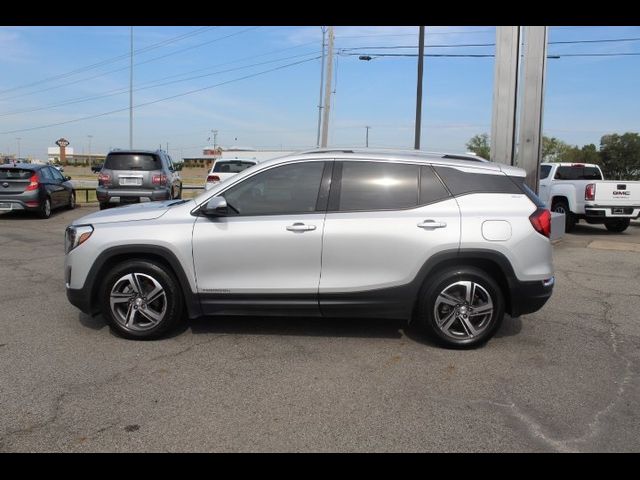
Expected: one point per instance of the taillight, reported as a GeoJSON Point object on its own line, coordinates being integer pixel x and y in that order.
{"type": "Point", "coordinates": [213, 178]}
{"type": "Point", "coordinates": [590, 192]}
{"type": "Point", "coordinates": [541, 221]}
{"type": "Point", "coordinates": [33, 183]}
{"type": "Point", "coordinates": [104, 179]}
{"type": "Point", "coordinates": [159, 180]}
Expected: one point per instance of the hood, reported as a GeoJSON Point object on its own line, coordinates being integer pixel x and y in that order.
{"type": "Point", "coordinates": [127, 213]}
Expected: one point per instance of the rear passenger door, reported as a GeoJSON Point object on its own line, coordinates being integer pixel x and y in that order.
{"type": "Point", "coordinates": [384, 221]}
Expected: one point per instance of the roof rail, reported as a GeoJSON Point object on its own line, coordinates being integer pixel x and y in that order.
{"type": "Point", "coordinates": [451, 156]}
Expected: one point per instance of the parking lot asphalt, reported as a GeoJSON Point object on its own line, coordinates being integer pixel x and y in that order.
{"type": "Point", "coordinates": [563, 379]}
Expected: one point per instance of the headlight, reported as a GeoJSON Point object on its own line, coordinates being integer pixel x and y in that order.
{"type": "Point", "coordinates": [76, 235]}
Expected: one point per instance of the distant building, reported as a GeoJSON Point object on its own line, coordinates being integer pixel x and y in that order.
{"type": "Point", "coordinates": [53, 156]}
{"type": "Point", "coordinates": [211, 154]}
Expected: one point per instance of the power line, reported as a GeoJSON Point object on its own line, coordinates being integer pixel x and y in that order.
{"type": "Point", "coordinates": [370, 56]}
{"type": "Point", "coordinates": [109, 60]}
{"type": "Point", "coordinates": [121, 91]}
{"type": "Point", "coordinates": [161, 99]}
{"type": "Point", "coordinates": [127, 67]}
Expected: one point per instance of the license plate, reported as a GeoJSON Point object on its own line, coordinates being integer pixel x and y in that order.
{"type": "Point", "coordinates": [618, 211]}
{"type": "Point", "coordinates": [130, 181]}
{"type": "Point", "coordinates": [5, 206]}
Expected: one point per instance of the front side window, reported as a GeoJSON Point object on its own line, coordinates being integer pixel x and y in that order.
{"type": "Point", "coordinates": [378, 186]}
{"type": "Point", "coordinates": [45, 174]}
{"type": "Point", "coordinates": [281, 190]}
{"type": "Point", "coordinates": [57, 175]}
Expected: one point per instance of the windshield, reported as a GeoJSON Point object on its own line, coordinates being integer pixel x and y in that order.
{"type": "Point", "coordinates": [231, 166]}
{"type": "Point", "coordinates": [130, 161]}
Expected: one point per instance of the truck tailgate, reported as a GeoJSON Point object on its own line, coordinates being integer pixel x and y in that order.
{"type": "Point", "coordinates": [614, 192]}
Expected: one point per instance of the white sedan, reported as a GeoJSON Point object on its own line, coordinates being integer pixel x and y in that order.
{"type": "Point", "coordinates": [224, 168]}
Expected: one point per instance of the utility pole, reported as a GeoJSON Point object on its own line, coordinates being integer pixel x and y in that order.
{"type": "Point", "coordinates": [419, 88]}
{"type": "Point", "coordinates": [215, 138]}
{"type": "Point", "coordinates": [327, 92]}
{"type": "Point", "coordinates": [367, 135]}
{"type": "Point", "coordinates": [90, 137]}
{"type": "Point", "coordinates": [131, 95]}
{"type": "Point", "coordinates": [324, 33]}
{"type": "Point", "coordinates": [18, 139]}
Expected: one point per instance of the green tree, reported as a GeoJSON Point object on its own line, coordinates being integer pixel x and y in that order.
{"type": "Point", "coordinates": [553, 149]}
{"type": "Point", "coordinates": [479, 144]}
{"type": "Point", "coordinates": [575, 154]}
{"type": "Point", "coordinates": [620, 156]}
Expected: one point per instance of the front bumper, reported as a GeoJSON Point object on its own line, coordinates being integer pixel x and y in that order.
{"type": "Point", "coordinates": [80, 299]}
{"type": "Point", "coordinates": [529, 297]}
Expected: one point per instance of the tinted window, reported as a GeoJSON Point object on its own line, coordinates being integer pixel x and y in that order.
{"type": "Point", "coordinates": [231, 166]}
{"type": "Point", "coordinates": [56, 174]}
{"type": "Point", "coordinates": [281, 190]}
{"type": "Point", "coordinates": [577, 173]}
{"type": "Point", "coordinates": [128, 161]}
{"type": "Point", "coordinates": [460, 182]}
{"type": "Point", "coordinates": [544, 171]}
{"type": "Point", "coordinates": [15, 174]}
{"type": "Point", "coordinates": [431, 188]}
{"type": "Point", "coordinates": [45, 174]}
{"type": "Point", "coordinates": [378, 186]}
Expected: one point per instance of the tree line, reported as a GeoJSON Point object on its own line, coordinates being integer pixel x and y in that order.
{"type": "Point", "coordinates": [618, 155]}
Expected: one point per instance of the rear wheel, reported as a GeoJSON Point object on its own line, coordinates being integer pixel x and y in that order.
{"type": "Point", "coordinates": [561, 206]}
{"type": "Point", "coordinates": [103, 206]}
{"type": "Point", "coordinates": [463, 307]}
{"type": "Point", "coordinates": [45, 208]}
{"type": "Point", "coordinates": [141, 299]}
{"type": "Point", "coordinates": [72, 201]}
{"type": "Point", "coordinates": [618, 225]}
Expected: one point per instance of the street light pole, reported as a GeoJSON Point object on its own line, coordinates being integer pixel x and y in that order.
{"type": "Point", "coordinates": [367, 136]}
{"type": "Point", "coordinates": [90, 137]}
{"type": "Point", "coordinates": [419, 89]}
{"type": "Point", "coordinates": [131, 95]}
{"type": "Point", "coordinates": [327, 92]}
{"type": "Point", "coordinates": [18, 139]}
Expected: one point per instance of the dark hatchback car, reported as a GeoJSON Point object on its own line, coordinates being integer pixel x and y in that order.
{"type": "Point", "coordinates": [35, 188]}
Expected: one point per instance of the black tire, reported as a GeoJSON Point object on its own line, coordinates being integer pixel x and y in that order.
{"type": "Point", "coordinates": [618, 225]}
{"type": "Point", "coordinates": [45, 208]}
{"type": "Point", "coordinates": [430, 305]}
{"type": "Point", "coordinates": [72, 201]}
{"type": "Point", "coordinates": [179, 195]}
{"type": "Point", "coordinates": [104, 206]}
{"type": "Point", "coordinates": [171, 306]}
{"type": "Point", "coordinates": [561, 206]}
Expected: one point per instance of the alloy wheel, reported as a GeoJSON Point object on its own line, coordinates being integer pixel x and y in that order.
{"type": "Point", "coordinates": [138, 302]}
{"type": "Point", "coordinates": [463, 310]}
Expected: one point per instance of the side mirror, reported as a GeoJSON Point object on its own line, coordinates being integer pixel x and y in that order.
{"type": "Point", "coordinates": [67, 178]}
{"type": "Point", "coordinates": [215, 207]}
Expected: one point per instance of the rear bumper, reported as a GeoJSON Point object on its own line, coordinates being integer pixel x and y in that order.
{"type": "Point", "coordinates": [529, 297]}
{"type": "Point", "coordinates": [596, 212]}
{"type": "Point", "coordinates": [113, 195]}
{"type": "Point", "coordinates": [19, 201]}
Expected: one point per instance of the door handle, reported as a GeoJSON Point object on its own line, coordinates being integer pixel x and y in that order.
{"type": "Point", "coordinates": [300, 227]}
{"type": "Point", "coordinates": [432, 224]}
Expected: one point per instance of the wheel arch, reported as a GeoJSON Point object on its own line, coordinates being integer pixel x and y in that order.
{"type": "Point", "coordinates": [161, 255]}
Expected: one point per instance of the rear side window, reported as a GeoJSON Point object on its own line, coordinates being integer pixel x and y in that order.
{"type": "Point", "coordinates": [231, 166]}
{"type": "Point", "coordinates": [15, 174]}
{"type": "Point", "coordinates": [129, 161]}
{"type": "Point", "coordinates": [577, 173]}
{"type": "Point", "coordinates": [378, 186]}
{"type": "Point", "coordinates": [431, 188]}
{"type": "Point", "coordinates": [461, 183]}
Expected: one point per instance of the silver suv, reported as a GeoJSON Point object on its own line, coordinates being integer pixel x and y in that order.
{"type": "Point", "coordinates": [450, 242]}
{"type": "Point", "coordinates": [132, 176]}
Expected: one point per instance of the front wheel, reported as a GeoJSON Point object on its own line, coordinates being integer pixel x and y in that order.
{"type": "Point", "coordinates": [561, 206]}
{"type": "Point", "coordinates": [619, 225]}
{"type": "Point", "coordinates": [72, 201]}
{"type": "Point", "coordinates": [462, 307]}
{"type": "Point", "coordinates": [141, 299]}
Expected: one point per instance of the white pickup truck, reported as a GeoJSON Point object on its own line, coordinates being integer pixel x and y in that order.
{"type": "Point", "coordinates": [579, 191]}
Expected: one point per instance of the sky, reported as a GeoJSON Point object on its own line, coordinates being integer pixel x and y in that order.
{"type": "Point", "coordinates": [259, 86]}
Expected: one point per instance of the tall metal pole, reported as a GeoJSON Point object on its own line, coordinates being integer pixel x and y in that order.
{"type": "Point", "coordinates": [419, 89]}
{"type": "Point", "coordinates": [18, 139]}
{"type": "Point", "coordinates": [327, 92]}
{"type": "Point", "coordinates": [324, 34]}
{"type": "Point", "coordinates": [367, 135]}
{"type": "Point", "coordinates": [131, 95]}
{"type": "Point", "coordinates": [90, 137]}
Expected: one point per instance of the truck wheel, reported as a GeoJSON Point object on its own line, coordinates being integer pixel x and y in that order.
{"type": "Point", "coordinates": [560, 206]}
{"type": "Point", "coordinates": [618, 225]}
